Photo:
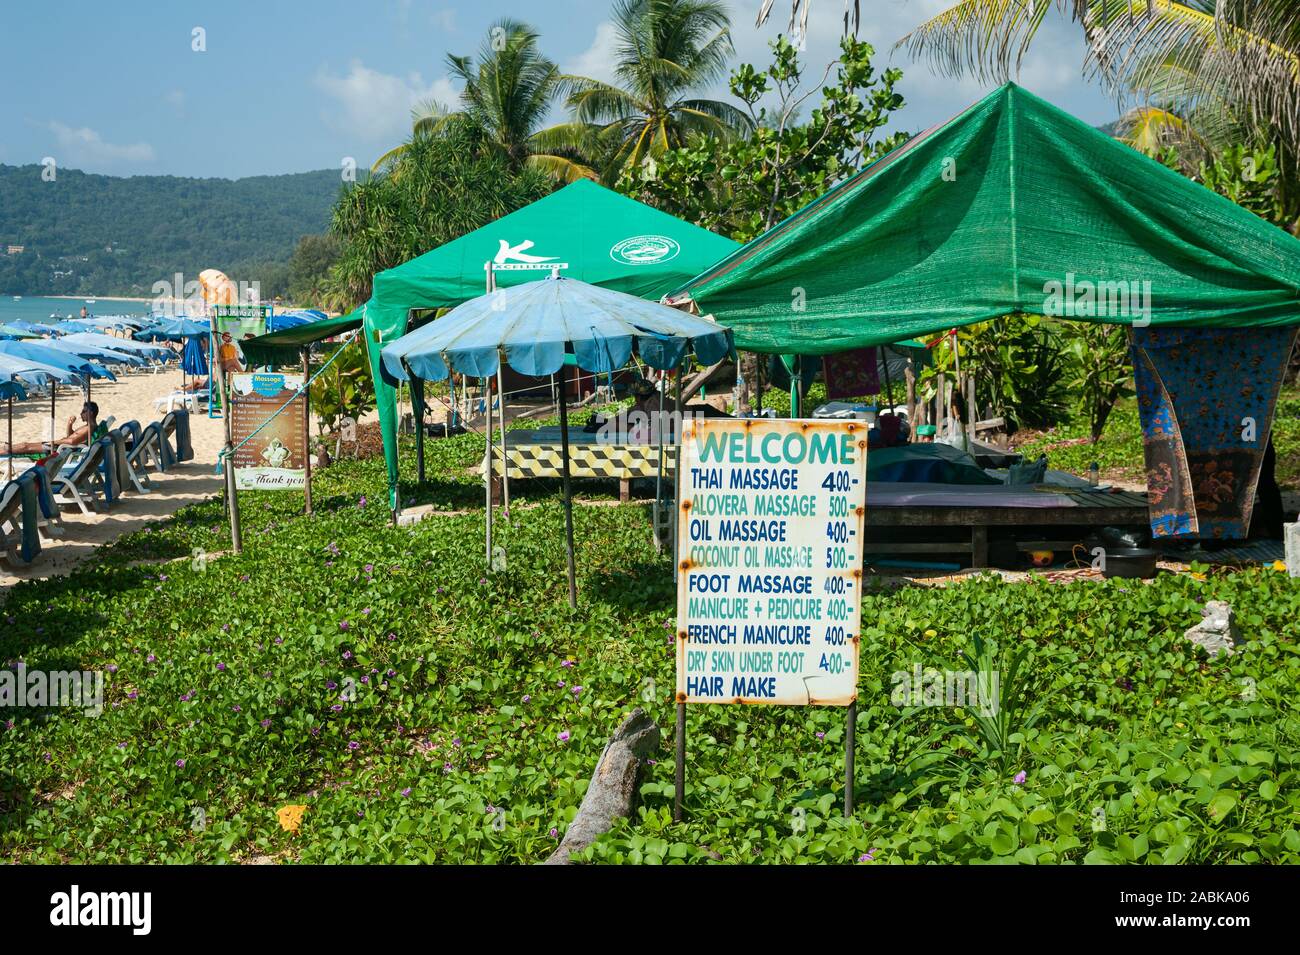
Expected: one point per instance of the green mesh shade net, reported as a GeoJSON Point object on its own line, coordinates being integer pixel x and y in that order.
{"type": "Point", "coordinates": [1012, 206]}
{"type": "Point", "coordinates": [588, 232]}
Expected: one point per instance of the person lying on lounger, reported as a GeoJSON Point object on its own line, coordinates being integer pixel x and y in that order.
{"type": "Point", "coordinates": [92, 429]}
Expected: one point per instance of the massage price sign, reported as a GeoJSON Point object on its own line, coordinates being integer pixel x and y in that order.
{"type": "Point", "coordinates": [769, 573]}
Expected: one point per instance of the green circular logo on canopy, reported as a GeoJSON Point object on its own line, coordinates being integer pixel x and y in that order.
{"type": "Point", "coordinates": [645, 250]}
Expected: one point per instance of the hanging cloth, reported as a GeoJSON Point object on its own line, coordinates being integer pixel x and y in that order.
{"type": "Point", "coordinates": [1206, 398]}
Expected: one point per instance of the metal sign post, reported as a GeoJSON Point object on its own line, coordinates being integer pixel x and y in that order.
{"type": "Point", "coordinates": [770, 521]}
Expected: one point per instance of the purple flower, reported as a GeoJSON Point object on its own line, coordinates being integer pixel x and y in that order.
{"type": "Point", "coordinates": [1019, 778]}
{"type": "Point", "coordinates": [564, 736]}
{"type": "Point", "coordinates": [868, 856]}
{"type": "Point", "coordinates": [820, 735]}
{"type": "Point", "coordinates": [343, 625]}
{"type": "Point", "coordinates": [406, 791]}
{"type": "Point", "coordinates": [235, 709]}
{"type": "Point", "coordinates": [576, 691]}
{"type": "Point", "coordinates": [362, 502]}
{"type": "Point", "coordinates": [225, 628]}
{"type": "Point", "coordinates": [337, 707]}
{"type": "Point", "coordinates": [555, 833]}
{"type": "Point", "coordinates": [331, 685]}
{"type": "Point", "coordinates": [369, 568]}
{"type": "Point", "coordinates": [266, 724]}
{"type": "Point", "coordinates": [112, 668]}
{"type": "Point", "coordinates": [180, 764]}
{"type": "Point", "coordinates": [567, 663]}
{"type": "Point", "coordinates": [353, 745]}
{"type": "Point", "coordinates": [221, 667]}
{"type": "Point", "coordinates": [347, 654]}
{"type": "Point", "coordinates": [527, 697]}
{"type": "Point", "coordinates": [133, 695]}
{"type": "Point", "coordinates": [150, 658]}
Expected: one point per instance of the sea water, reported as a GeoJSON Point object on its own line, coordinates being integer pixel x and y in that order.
{"type": "Point", "coordinates": [36, 308]}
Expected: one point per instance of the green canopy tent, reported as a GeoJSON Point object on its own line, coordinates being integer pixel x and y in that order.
{"type": "Point", "coordinates": [584, 230]}
{"type": "Point", "coordinates": [285, 346]}
{"type": "Point", "coordinates": [1012, 206]}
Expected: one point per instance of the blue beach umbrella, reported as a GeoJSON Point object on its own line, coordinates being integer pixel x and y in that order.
{"type": "Point", "coordinates": [108, 356]}
{"type": "Point", "coordinates": [172, 330]}
{"type": "Point", "coordinates": [535, 325]}
{"type": "Point", "coordinates": [193, 360]}
{"type": "Point", "coordinates": [49, 354]}
{"type": "Point", "coordinates": [36, 373]}
{"type": "Point", "coordinates": [14, 331]}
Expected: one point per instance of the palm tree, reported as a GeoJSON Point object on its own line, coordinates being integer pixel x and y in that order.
{"type": "Point", "coordinates": [667, 50]}
{"type": "Point", "coordinates": [1204, 72]}
{"type": "Point", "coordinates": [507, 92]}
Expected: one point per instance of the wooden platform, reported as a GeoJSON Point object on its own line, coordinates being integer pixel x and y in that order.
{"type": "Point", "coordinates": [1092, 509]}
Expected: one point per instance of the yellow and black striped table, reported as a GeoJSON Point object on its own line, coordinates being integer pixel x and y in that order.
{"type": "Point", "coordinates": [538, 454]}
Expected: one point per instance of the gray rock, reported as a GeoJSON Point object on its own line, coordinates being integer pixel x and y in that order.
{"type": "Point", "coordinates": [612, 792]}
{"type": "Point", "coordinates": [1216, 631]}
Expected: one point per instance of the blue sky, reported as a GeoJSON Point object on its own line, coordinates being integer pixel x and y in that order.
{"type": "Point", "coordinates": [287, 87]}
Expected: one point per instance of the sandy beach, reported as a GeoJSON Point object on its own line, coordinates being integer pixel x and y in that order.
{"type": "Point", "coordinates": [130, 397]}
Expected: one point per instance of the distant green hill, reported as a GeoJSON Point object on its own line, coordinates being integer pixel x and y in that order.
{"type": "Point", "coordinates": [105, 235]}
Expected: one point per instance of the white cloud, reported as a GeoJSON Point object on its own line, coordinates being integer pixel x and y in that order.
{"type": "Point", "coordinates": [85, 146]}
{"type": "Point", "coordinates": [597, 61]}
{"type": "Point", "coordinates": [374, 106]}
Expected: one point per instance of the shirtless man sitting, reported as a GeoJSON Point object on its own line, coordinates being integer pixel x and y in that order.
{"type": "Point", "coordinates": [92, 429]}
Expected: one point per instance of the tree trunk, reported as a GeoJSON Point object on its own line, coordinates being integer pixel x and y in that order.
{"type": "Point", "coordinates": [612, 791]}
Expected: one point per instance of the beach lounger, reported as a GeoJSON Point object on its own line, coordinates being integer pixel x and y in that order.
{"type": "Point", "coordinates": [10, 528]}
{"type": "Point", "coordinates": [176, 424]}
{"type": "Point", "coordinates": [85, 482]}
{"type": "Point", "coordinates": [26, 507]}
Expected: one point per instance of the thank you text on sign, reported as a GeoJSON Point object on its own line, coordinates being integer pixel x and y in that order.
{"type": "Point", "coordinates": [769, 562]}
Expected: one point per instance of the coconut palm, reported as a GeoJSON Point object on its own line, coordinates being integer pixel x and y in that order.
{"type": "Point", "coordinates": [507, 92]}
{"type": "Point", "coordinates": [1205, 71]}
{"type": "Point", "coordinates": [667, 50]}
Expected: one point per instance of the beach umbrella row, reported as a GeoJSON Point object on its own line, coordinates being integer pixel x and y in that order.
{"type": "Point", "coordinates": [140, 350]}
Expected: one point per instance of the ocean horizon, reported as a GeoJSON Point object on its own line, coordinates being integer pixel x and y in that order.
{"type": "Point", "coordinates": [39, 308]}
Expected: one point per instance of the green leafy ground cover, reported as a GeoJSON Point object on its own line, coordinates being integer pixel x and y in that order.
{"type": "Point", "coordinates": [478, 704]}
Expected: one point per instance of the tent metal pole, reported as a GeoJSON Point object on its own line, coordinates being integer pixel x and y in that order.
{"type": "Point", "coordinates": [568, 486]}
{"type": "Point", "coordinates": [9, 460]}
{"type": "Point", "coordinates": [306, 431]}
{"type": "Point", "coordinates": [884, 364]}
{"type": "Point", "coordinates": [487, 473]}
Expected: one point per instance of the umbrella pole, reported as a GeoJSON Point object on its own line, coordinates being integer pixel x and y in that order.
{"type": "Point", "coordinates": [53, 430]}
{"type": "Point", "coordinates": [10, 458]}
{"type": "Point", "coordinates": [501, 405]}
{"type": "Point", "coordinates": [568, 487]}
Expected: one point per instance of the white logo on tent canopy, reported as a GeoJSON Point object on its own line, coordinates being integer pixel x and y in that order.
{"type": "Point", "coordinates": [514, 257]}
{"type": "Point", "coordinates": [645, 250]}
